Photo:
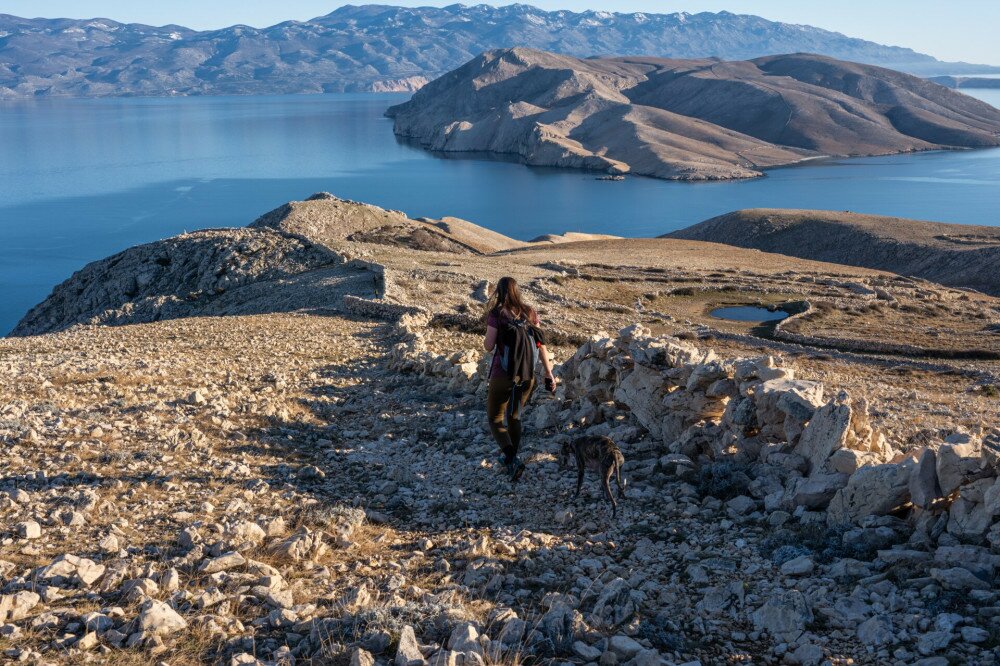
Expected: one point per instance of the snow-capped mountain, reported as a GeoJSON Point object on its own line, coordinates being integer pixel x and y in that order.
{"type": "Point", "coordinates": [380, 47]}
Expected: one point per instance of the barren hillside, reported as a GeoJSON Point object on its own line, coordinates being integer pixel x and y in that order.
{"type": "Point", "coordinates": [952, 254]}
{"type": "Point", "coordinates": [686, 119]}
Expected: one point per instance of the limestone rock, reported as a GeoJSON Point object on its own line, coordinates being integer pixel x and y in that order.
{"type": "Point", "coordinates": [29, 530]}
{"type": "Point", "coordinates": [781, 403]}
{"type": "Point", "coordinates": [841, 424]}
{"type": "Point", "coordinates": [71, 569]}
{"type": "Point", "coordinates": [818, 490]}
{"type": "Point", "coordinates": [303, 545]}
{"type": "Point", "coordinates": [224, 562]}
{"type": "Point", "coordinates": [362, 657]}
{"type": "Point", "coordinates": [464, 638]}
{"type": "Point", "coordinates": [957, 464]}
{"type": "Point", "coordinates": [924, 487]}
{"type": "Point", "coordinates": [784, 614]}
{"type": "Point", "coordinates": [799, 566]}
{"type": "Point", "coordinates": [643, 392]}
{"type": "Point", "coordinates": [874, 490]}
{"type": "Point", "coordinates": [958, 578]}
{"type": "Point", "coordinates": [408, 653]}
{"type": "Point", "coordinates": [14, 607]}
{"type": "Point", "coordinates": [157, 617]}
{"type": "Point", "coordinates": [877, 631]}
{"type": "Point", "coordinates": [614, 605]}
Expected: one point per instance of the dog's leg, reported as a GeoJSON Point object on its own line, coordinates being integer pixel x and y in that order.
{"type": "Point", "coordinates": [606, 482]}
{"type": "Point", "coordinates": [618, 479]}
{"type": "Point", "coordinates": [579, 478]}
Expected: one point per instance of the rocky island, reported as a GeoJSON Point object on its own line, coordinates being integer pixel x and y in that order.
{"type": "Point", "coordinates": [267, 446]}
{"type": "Point", "coordinates": [686, 119]}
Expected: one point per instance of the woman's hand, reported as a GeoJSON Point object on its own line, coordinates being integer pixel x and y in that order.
{"type": "Point", "coordinates": [550, 382]}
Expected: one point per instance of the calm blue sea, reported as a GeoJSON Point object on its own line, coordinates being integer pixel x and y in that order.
{"type": "Point", "coordinates": [81, 179]}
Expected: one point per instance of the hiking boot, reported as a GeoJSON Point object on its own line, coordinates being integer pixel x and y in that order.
{"type": "Point", "coordinates": [516, 470]}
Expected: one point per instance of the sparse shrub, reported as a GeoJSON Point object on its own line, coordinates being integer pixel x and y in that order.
{"type": "Point", "coordinates": [787, 553]}
{"type": "Point", "coordinates": [324, 516]}
{"type": "Point", "coordinates": [657, 631]}
{"type": "Point", "coordinates": [724, 480]}
{"type": "Point", "coordinates": [113, 457]}
{"type": "Point", "coordinates": [822, 543]}
{"type": "Point", "coordinates": [433, 621]}
{"type": "Point", "coordinates": [990, 390]}
{"type": "Point", "coordinates": [946, 601]}
{"type": "Point", "coordinates": [903, 572]}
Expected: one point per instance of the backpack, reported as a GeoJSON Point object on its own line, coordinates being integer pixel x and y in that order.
{"type": "Point", "coordinates": [519, 343]}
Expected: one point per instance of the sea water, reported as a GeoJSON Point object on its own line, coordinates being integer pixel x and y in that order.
{"type": "Point", "coordinates": [83, 178]}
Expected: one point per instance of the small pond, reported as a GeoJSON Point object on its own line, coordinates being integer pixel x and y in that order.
{"type": "Point", "coordinates": [749, 313]}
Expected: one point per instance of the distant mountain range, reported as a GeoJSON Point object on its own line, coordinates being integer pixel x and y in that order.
{"type": "Point", "coordinates": [385, 48]}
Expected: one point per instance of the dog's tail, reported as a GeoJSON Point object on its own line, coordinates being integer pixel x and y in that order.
{"type": "Point", "coordinates": [619, 461]}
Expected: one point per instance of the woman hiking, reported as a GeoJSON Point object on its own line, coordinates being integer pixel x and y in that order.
{"type": "Point", "coordinates": [514, 336]}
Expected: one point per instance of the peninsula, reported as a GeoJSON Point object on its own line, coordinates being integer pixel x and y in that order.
{"type": "Point", "coordinates": [700, 119]}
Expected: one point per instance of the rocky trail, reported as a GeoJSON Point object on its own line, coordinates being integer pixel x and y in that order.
{"type": "Point", "coordinates": [299, 516]}
{"type": "Point", "coordinates": [297, 469]}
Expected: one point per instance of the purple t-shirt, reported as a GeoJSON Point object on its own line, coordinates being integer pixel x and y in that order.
{"type": "Point", "coordinates": [496, 320]}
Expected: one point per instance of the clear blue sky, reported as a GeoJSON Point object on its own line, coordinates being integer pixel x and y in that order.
{"type": "Point", "coordinates": [951, 30]}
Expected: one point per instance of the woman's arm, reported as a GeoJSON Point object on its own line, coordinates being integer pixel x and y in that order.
{"type": "Point", "coordinates": [543, 355]}
{"type": "Point", "coordinates": [491, 338]}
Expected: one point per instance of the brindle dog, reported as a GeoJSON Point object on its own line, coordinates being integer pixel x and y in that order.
{"type": "Point", "coordinates": [599, 454]}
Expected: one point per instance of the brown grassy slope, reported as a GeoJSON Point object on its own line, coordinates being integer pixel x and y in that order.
{"type": "Point", "coordinates": [672, 253]}
{"type": "Point", "coordinates": [951, 254]}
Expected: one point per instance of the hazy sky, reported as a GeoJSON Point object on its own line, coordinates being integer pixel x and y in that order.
{"type": "Point", "coordinates": [966, 30]}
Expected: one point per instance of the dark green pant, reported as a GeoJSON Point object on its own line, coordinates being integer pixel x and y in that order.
{"type": "Point", "coordinates": [503, 409]}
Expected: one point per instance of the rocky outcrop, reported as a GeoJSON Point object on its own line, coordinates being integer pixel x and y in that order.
{"type": "Point", "coordinates": [957, 255]}
{"type": "Point", "coordinates": [334, 222]}
{"type": "Point", "coordinates": [408, 84]}
{"type": "Point", "coordinates": [205, 272]}
{"type": "Point", "coordinates": [304, 255]}
{"type": "Point", "coordinates": [215, 272]}
{"type": "Point", "coordinates": [686, 119]}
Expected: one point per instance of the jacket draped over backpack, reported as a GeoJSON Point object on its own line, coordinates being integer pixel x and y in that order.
{"type": "Point", "coordinates": [512, 378]}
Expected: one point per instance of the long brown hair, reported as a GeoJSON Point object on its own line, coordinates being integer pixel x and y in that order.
{"type": "Point", "coordinates": [506, 298]}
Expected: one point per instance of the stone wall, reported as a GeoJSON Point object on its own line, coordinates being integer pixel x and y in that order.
{"type": "Point", "coordinates": [461, 371]}
{"type": "Point", "coordinates": [811, 449]}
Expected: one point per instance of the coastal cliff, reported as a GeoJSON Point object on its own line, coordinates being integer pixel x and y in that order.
{"type": "Point", "coordinates": [686, 119]}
